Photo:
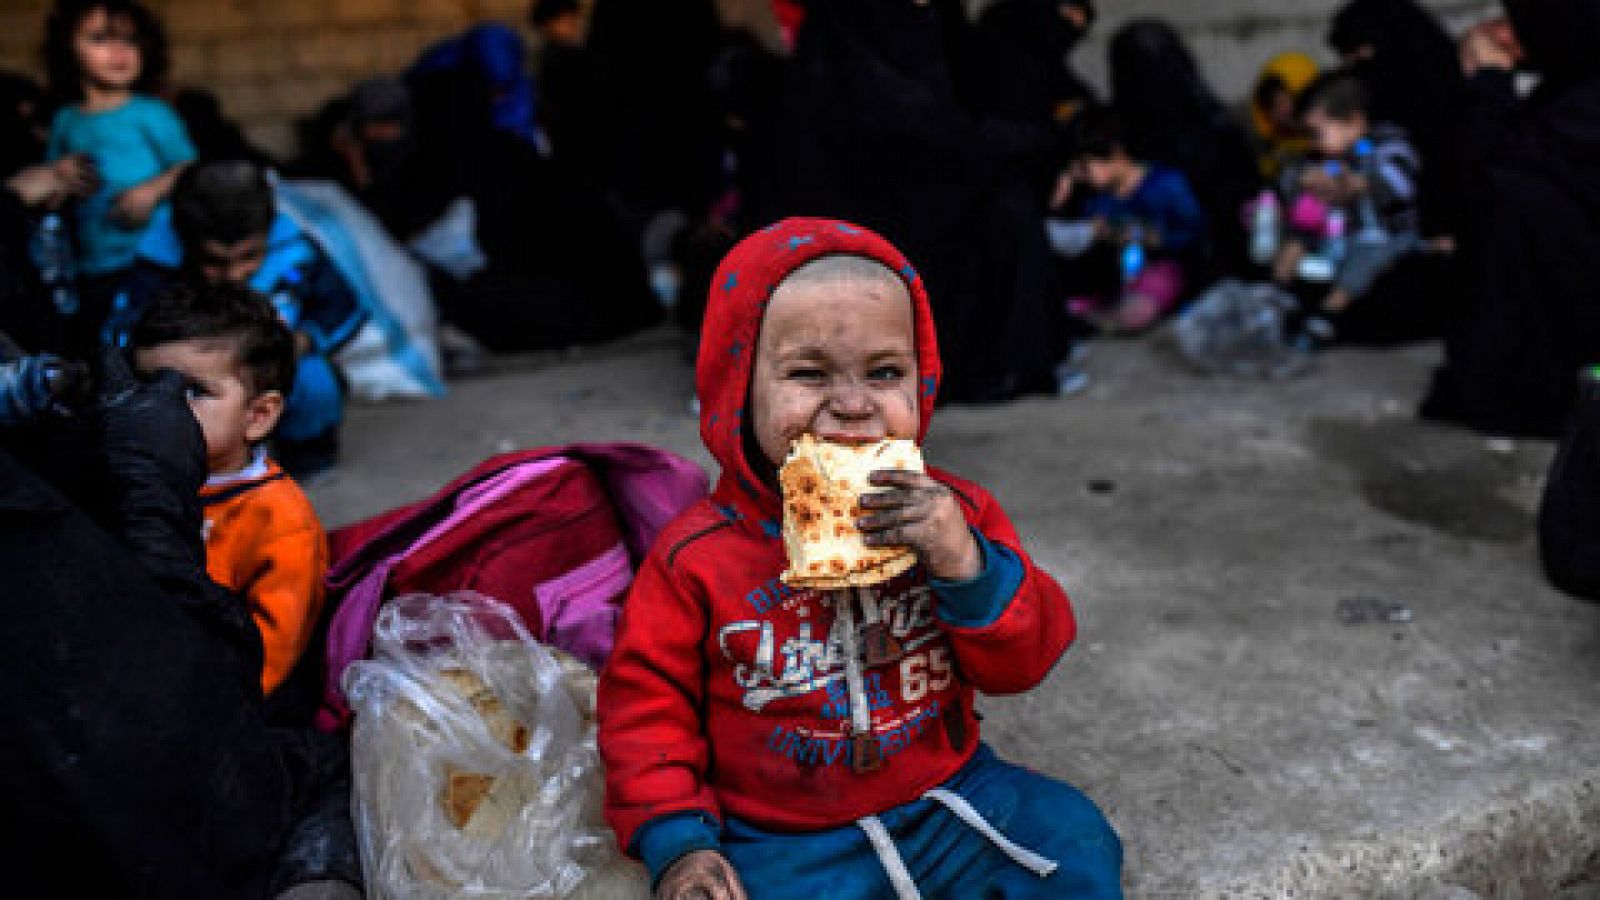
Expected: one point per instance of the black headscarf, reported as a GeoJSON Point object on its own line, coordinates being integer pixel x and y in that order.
{"type": "Point", "coordinates": [1024, 46]}
{"type": "Point", "coordinates": [1408, 62]}
{"type": "Point", "coordinates": [1172, 116]}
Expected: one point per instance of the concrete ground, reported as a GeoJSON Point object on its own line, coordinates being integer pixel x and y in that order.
{"type": "Point", "coordinates": [1217, 537]}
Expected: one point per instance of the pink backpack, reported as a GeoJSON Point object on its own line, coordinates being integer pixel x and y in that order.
{"type": "Point", "coordinates": [555, 533]}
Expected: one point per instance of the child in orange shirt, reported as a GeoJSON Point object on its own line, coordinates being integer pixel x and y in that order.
{"type": "Point", "coordinates": [262, 537]}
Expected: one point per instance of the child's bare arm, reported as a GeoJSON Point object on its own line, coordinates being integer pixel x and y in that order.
{"type": "Point", "coordinates": [36, 186]}
{"type": "Point", "coordinates": [701, 875]}
{"type": "Point", "coordinates": [134, 205]}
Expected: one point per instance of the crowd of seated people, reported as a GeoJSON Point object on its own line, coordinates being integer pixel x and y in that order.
{"type": "Point", "coordinates": [1416, 188]}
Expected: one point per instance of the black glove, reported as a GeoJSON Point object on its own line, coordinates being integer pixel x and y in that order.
{"type": "Point", "coordinates": [155, 457]}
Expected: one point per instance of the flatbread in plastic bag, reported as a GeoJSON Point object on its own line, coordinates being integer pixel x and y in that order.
{"type": "Point", "coordinates": [476, 769]}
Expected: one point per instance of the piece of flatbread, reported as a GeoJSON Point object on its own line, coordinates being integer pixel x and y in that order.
{"type": "Point", "coordinates": [511, 734]}
{"type": "Point", "coordinates": [463, 794]}
{"type": "Point", "coordinates": [822, 484]}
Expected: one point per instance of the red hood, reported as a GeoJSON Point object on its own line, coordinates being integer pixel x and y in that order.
{"type": "Point", "coordinates": [738, 299]}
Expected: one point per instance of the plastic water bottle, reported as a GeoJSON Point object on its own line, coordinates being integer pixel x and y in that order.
{"type": "Point", "coordinates": [1133, 254]}
{"type": "Point", "coordinates": [1264, 228]}
{"type": "Point", "coordinates": [52, 254]}
{"type": "Point", "coordinates": [1333, 247]}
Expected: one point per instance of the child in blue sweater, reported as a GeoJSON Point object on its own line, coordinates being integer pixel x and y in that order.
{"type": "Point", "coordinates": [1144, 211]}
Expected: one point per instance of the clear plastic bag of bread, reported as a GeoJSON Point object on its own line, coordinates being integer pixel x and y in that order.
{"type": "Point", "coordinates": [476, 770]}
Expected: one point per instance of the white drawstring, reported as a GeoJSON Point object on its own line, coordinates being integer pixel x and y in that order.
{"type": "Point", "coordinates": [1019, 854]}
{"type": "Point", "coordinates": [861, 724]}
{"type": "Point", "coordinates": [904, 887]}
{"type": "Point", "coordinates": [870, 612]}
{"type": "Point", "coordinates": [860, 711]}
{"type": "Point", "coordinates": [889, 855]}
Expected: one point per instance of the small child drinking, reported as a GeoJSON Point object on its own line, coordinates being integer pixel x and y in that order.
{"type": "Point", "coordinates": [1364, 178]}
{"type": "Point", "coordinates": [263, 539]}
{"type": "Point", "coordinates": [1147, 213]}
{"type": "Point", "coordinates": [113, 145]}
{"type": "Point", "coordinates": [737, 748]}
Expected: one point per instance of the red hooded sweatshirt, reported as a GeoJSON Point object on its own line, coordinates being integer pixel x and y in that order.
{"type": "Point", "coordinates": [726, 690]}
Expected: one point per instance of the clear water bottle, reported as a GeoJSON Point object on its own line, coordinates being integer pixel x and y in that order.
{"type": "Point", "coordinates": [52, 254]}
{"type": "Point", "coordinates": [1264, 228]}
{"type": "Point", "coordinates": [1333, 246]}
{"type": "Point", "coordinates": [1133, 254]}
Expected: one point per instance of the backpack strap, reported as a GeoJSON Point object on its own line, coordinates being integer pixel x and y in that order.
{"type": "Point", "coordinates": [413, 520]}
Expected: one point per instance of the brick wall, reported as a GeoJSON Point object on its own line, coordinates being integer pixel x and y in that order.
{"type": "Point", "coordinates": [272, 61]}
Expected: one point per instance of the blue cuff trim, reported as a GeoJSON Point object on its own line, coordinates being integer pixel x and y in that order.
{"type": "Point", "coordinates": [980, 600]}
{"type": "Point", "coordinates": [345, 331]}
{"type": "Point", "coordinates": [662, 842]}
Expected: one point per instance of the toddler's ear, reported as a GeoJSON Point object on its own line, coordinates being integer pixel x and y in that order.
{"type": "Point", "coordinates": [262, 415]}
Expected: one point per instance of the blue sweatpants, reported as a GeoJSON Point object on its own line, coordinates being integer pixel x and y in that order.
{"type": "Point", "coordinates": [945, 856]}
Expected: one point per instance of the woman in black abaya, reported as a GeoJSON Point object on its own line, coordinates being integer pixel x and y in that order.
{"type": "Point", "coordinates": [1023, 47]}
{"type": "Point", "coordinates": [1172, 116]}
{"type": "Point", "coordinates": [872, 128]}
{"type": "Point", "coordinates": [1530, 242]}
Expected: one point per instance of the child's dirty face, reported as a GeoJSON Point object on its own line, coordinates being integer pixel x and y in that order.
{"type": "Point", "coordinates": [837, 359]}
{"type": "Point", "coordinates": [107, 48]}
{"type": "Point", "coordinates": [232, 417]}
